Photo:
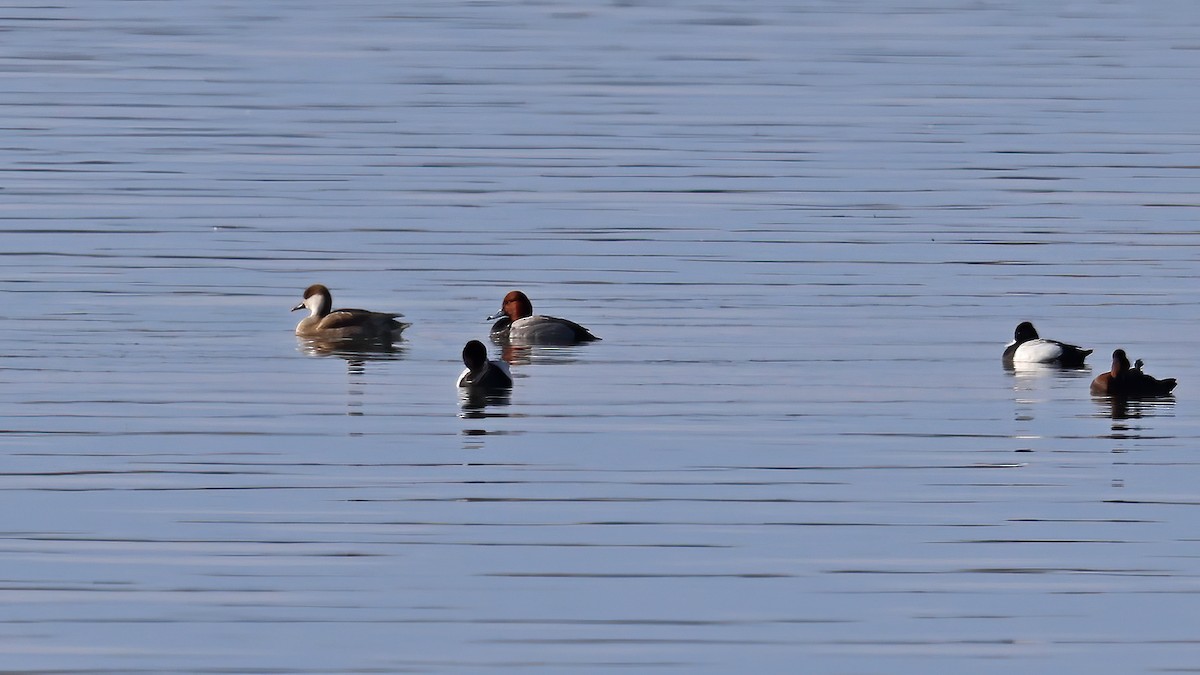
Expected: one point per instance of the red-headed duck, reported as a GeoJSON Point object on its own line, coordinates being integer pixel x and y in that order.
{"type": "Point", "coordinates": [518, 323]}
{"type": "Point", "coordinates": [481, 372]}
{"type": "Point", "coordinates": [343, 324]}
{"type": "Point", "coordinates": [1027, 347]}
{"type": "Point", "coordinates": [1123, 381]}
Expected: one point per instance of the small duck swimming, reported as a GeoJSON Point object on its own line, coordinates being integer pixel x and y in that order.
{"type": "Point", "coordinates": [481, 372]}
{"type": "Point", "coordinates": [518, 323]}
{"type": "Point", "coordinates": [1123, 381]}
{"type": "Point", "coordinates": [343, 324]}
{"type": "Point", "coordinates": [1027, 347]}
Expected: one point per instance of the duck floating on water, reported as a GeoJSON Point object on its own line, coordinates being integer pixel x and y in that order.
{"type": "Point", "coordinates": [481, 372]}
{"type": "Point", "coordinates": [518, 323]}
{"type": "Point", "coordinates": [326, 323]}
{"type": "Point", "coordinates": [1028, 347]}
{"type": "Point", "coordinates": [1124, 381]}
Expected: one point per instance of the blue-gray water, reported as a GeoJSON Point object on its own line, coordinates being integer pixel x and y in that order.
{"type": "Point", "coordinates": [805, 232]}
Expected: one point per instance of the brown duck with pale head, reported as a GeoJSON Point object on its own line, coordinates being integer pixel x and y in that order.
{"type": "Point", "coordinates": [324, 322]}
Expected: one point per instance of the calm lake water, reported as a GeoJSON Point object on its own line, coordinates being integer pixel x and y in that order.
{"type": "Point", "coordinates": [804, 231]}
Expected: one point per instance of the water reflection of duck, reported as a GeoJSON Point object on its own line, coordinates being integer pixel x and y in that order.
{"type": "Point", "coordinates": [326, 323]}
{"type": "Point", "coordinates": [1028, 348]}
{"type": "Point", "coordinates": [1127, 382]}
{"type": "Point", "coordinates": [354, 351]}
{"type": "Point", "coordinates": [475, 401]}
{"type": "Point", "coordinates": [1124, 408]}
{"type": "Point", "coordinates": [518, 323]}
{"type": "Point", "coordinates": [527, 354]}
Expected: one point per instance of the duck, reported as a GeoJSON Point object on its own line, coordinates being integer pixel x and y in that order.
{"type": "Point", "coordinates": [518, 323]}
{"type": "Point", "coordinates": [1027, 347]}
{"type": "Point", "coordinates": [1123, 381]}
{"type": "Point", "coordinates": [326, 323]}
{"type": "Point", "coordinates": [481, 372]}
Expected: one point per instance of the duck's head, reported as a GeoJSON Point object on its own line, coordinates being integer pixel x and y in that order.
{"type": "Point", "coordinates": [1120, 362]}
{"type": "Point", "coordinates": [516, 305]}
{"type": "Point", "coordinates": [317, 299]}
{"type": "Point", "coordinates": [474, 356]}
{"type": "Point", "coordinates": [1025, 332]}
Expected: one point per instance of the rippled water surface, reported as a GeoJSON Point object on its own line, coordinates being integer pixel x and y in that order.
{"type": "Point", "coordinates": [804, 231]}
